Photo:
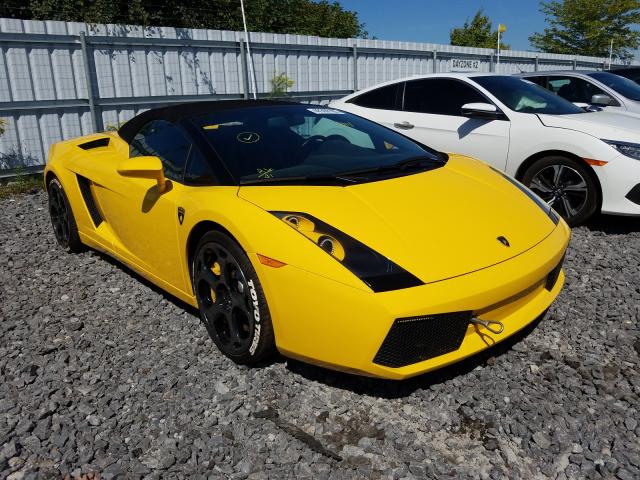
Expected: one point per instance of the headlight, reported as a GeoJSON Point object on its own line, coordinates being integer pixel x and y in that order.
{"type": "Point", "coordinates": [538, 201]}
{"type": "Point", "coordinates": [625, 148]}
{"type": "Point", "coordinates": [376, 270]}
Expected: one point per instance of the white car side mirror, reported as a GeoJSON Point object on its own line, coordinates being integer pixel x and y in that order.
{"type": "Point", "coordinates": [480, 110]}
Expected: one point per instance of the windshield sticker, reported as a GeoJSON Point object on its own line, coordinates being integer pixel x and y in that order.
{"type": "Point", "coordinates": [248, 137]}
{"type": "Point", "coordinates": [265, 173]}
{"type": "Point", "coordinates": [390, 146]}
{"type": "Point", "coordinates": [325, 111]}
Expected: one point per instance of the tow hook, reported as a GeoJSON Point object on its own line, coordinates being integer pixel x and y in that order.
{"type": "Point", "coordinates": [492, 325]}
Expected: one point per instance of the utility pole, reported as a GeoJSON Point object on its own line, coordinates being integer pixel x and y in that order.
{"type": "Point", "coordinates": [250, 58]}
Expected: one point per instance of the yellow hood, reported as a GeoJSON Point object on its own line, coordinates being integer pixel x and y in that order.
{"type": "Point", "coordinates": [436, 224]}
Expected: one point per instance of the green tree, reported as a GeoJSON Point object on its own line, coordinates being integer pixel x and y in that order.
{"type": "Point", "coordinates": [586, 27]}
{"type": "Point", "coordinates": [280, 83]}
{"type": "Point", "coordinates": [303, 17]}
{"type": "Point", "coordinates": [477, 33]}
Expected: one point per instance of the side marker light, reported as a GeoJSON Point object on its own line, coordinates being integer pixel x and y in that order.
{"type": "Point", "coordinates": [270, 262]}
{"type": "Point", "coordinates": [596, 163]}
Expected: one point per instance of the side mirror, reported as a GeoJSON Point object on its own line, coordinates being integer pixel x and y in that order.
{"type": "Point", "coordinates": [144, 167]}
{"type": "Point", "coordinates": [481, 110]}
{"type": "Point", "coordinates": [602, 99]}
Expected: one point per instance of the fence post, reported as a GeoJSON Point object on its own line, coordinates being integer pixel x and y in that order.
{"type": "Point", "coordinates": [535, 64]}
{"type": "Point", "coordinates": [355, 68]}
{"type": "Point", "coordinates": [89, 80]}
{"type": "Point", "coordinates": [435, 61]}
{"type": "Point", "coordinates": [574, 63]}
{"type": "Point", "coordinates": [492, 67]}
{"type": "Point", "coordinates": [245, 71]}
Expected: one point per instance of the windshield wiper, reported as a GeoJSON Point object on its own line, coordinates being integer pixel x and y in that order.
{"type": "Point", "coordinates": [412, 163]}
{"type": "Point", "coordinates": [338, 179]}
{"type": "Point", "coordinates": [351, 176]}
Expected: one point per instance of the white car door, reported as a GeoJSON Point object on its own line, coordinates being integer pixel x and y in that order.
{"type": "Point", "coordinates": [429, 111]}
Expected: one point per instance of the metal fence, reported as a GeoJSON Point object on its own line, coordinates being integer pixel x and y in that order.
{"type": "Point", "coordinates": [64, 79]}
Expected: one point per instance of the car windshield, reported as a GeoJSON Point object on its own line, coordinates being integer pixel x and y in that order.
{"type": "Point", "coordinates": [622, 85]}
{"type": "Point", "coordinates": [310, 143]}
{"type": "Point", "coordinates": [526, 97]}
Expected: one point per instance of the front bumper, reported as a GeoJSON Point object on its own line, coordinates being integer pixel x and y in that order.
{"type": "Point", "coordinates": [617, 178]}
{"type": "Point", "coordinates": [320, 321]}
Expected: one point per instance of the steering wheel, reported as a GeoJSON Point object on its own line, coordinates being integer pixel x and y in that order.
{"type": "Point", "coordinates": [312, 139]}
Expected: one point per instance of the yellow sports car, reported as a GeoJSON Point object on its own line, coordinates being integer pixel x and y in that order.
{"type": "Point", "coordinates": [313, 232]}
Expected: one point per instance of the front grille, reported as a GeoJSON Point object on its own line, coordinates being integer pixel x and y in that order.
{"type": "Point", "coordinates": [415, 339]}
{"type": "Point", "coordinates": [553, 275]}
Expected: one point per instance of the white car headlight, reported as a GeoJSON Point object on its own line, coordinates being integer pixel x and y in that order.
{"type": "Point", "coordinates": [627, 149]}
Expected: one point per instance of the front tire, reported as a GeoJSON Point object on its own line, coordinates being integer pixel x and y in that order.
{"type": "Point", "coordinates": [62, 219]}
{"type": "Point", "coordinates": [565, 184]}
{"type": "Point", "coordinates": [231, 301]}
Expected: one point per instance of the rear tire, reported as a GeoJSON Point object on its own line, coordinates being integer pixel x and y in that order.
{"type": "Point", "coordinates": [231, 301]}
{"type": "Point", "coordinates": [62, 219]}
{"type": "Point", "coordinates": [565, 184]}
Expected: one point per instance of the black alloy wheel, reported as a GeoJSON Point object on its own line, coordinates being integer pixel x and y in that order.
{"type": "Point", "coordinates": [566, 186]}
{"type": "Point", "coordinates": [62, 219]}
{"type": "Point", "coordinates": [231, 302]}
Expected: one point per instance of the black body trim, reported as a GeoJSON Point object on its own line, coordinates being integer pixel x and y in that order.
{"type": "Point", "coordinates": [634, 195]}
{"type": "Point", "coordinates": [87, 196]}
{"type": "Point", "coordinates": [98, 142]}
{"type": "Point", "coordinates": [553, 275]}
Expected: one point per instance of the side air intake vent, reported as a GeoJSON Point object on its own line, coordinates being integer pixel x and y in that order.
{"type": "Point", "coordinates": [85, 190]}
{"type": "Point", "coordinates": [97, 143]}
{"type": "Point", "coordinates": [552, 278]}
{"type": "Point", "coordinates": [415, 339]}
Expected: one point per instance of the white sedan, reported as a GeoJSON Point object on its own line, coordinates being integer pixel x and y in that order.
{"type": "Point", "coordinates": [579, 162]}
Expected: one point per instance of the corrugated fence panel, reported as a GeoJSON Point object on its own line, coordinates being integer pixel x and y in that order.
{"type": "Point", "coordinates": [44, 94]}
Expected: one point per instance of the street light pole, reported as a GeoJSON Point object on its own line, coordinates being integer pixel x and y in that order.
{"type": "Point", "coordinates": [610, 53]}
{"type": "Point", "coordinates": [498, 61]}
{"type": "Point", "coordinates": [501, 29]}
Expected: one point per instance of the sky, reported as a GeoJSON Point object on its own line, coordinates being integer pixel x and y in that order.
{"type": "Point", "coordinates": [431, 20]}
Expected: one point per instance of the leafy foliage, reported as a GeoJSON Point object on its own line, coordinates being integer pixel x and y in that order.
{"type": "Point", "coordinates": [3, 126]}
{"type": "Point", "coordinates": [477, 33]}
{"type": "Point", "coordinates": [280, 83]}
{"type": "Point", "coordinates": [586, 27]}
{"type": "Point", "coordinates": [304, 17]}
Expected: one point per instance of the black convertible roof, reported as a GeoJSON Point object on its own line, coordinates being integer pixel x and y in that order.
{"type": "Point", "coordinates": [173, 113]}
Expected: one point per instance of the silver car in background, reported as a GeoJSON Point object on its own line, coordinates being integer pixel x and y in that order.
{"type": "Point", "coordinates": [590, 88]}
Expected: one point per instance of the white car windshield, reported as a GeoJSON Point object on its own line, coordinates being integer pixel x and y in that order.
{"type": "Point", "coordinates": [526, 97]}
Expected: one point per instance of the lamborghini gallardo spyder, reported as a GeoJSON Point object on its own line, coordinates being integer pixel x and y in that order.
{"type": "Point", "coordinates": [313, 232]}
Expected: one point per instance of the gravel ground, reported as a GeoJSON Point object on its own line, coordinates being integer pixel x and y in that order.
{"type": "Point", "coordinates": [103, 376]}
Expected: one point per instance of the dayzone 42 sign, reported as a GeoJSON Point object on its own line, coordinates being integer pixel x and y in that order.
{"type": "Point", "coordinates": [464, 65]}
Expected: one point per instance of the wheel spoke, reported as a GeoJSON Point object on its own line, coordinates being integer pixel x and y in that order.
{"type": "Point", "coordinates": [567, 207]}
{"type": "Point", "coordinates": [537, 184]}
{"type": "Point", "coordinates": [210, 277]}
{"type": "Point", "coordinates": [581, 186]}
{"type": "Point", "coordinates": [558, 170]}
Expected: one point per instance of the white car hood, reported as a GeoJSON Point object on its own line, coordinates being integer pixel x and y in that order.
{"type": "Point", "coordinates": [608, 125]}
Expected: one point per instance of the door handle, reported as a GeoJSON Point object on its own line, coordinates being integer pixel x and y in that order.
{"type": "Point", "coordinates": [403, 125]}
